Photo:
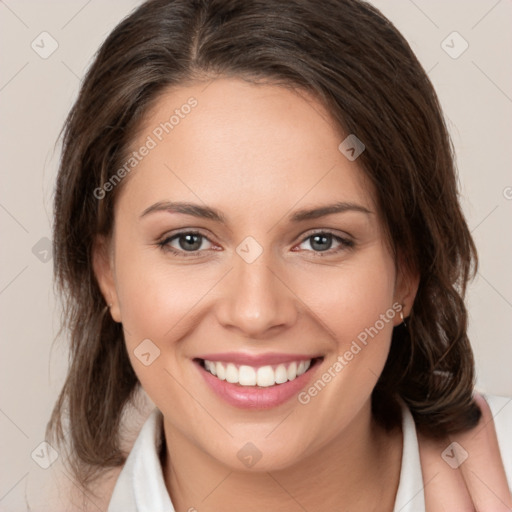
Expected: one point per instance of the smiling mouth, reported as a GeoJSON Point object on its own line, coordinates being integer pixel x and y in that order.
{"type": "Point", "coordinates": [259, 377]}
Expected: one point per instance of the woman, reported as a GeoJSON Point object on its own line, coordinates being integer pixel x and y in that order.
{"type": "Point", "coordinates": [257, 223]}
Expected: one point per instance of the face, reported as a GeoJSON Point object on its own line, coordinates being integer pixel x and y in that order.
{"type": "Point", "coordinates": [248, 246]}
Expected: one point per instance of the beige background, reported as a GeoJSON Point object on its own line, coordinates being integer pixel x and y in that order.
{"type": "Point", "coordinates": [475, 90]}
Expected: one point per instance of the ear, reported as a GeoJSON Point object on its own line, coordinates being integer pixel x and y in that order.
{"type": "Point", "coordinates": [406, 287]}
{"type": "Point", "coordinates": [103, 266]}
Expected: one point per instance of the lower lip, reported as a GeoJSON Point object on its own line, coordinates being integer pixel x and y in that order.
{"type": "Point", "coordinates": [253, 397]}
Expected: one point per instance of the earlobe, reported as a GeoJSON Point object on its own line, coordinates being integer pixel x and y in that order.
{"type": "Point", "coordinates": [103, 267]}
{"type": "Point", "coordinates": [405, 293]}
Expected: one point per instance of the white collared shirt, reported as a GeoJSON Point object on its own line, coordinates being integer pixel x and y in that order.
{"type": "Point", "coordinates": [140, 486]}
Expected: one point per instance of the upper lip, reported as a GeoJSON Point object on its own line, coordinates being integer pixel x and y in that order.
{"type": "Point", "coordinates": [256, 360]}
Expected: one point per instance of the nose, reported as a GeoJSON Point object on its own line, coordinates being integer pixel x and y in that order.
{"type": "Point", "coordinates": [256, 300]}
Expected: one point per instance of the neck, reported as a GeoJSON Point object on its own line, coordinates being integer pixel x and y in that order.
{"type": "Point", "coordinates": [357, 470]}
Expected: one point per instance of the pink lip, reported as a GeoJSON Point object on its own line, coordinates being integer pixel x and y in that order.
{"type": "Point", "coordinates": [254, 397]}
{"type": "Point", "coordinates": [256, 360]}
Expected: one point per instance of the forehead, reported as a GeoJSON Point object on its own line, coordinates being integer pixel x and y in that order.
{"type": "Point", "coordinates": [230, 143]}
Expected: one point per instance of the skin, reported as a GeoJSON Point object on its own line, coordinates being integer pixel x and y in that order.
{"type": "Point", "coordinates": [257, 154]}
{"type": "Point", "coordinates": [479, 483]}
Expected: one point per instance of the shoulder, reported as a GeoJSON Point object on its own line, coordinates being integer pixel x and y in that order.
{"type": "Point", "coordinates": [474, 468]}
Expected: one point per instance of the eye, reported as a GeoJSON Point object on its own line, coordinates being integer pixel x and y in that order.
{"type": "Point", "coordinates": [322, 242]}
{"type": "Point", "coordinates": [180, 244]}
{"type": "Point", "coordinates": [191, 243]}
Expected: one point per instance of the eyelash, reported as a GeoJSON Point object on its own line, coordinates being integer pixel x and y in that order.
{"type": "Point", "coordinates": [344, 243]}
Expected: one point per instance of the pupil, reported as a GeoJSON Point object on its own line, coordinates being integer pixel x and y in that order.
{"type": "Point", "coordinates": [190, 244]}
{"type": "Point", "coordinates": [193, 242]}
{"type": "Point", "coordinates": [324, 239]}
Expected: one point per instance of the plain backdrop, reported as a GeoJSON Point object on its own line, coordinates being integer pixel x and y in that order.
{"type": "Point", "coordinates": [474, 85]}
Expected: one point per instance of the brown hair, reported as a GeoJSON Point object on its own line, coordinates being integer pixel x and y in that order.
{"type": "Point", "coordinates": [350, 57]}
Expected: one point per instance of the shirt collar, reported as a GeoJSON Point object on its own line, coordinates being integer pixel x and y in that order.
{"type": "Point", "coordinates": [140, 486]}
{"type": "Point", "coordinates": [410, 496]}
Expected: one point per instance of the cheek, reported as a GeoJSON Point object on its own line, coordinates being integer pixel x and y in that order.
{"type": "Point", "coordinates": [153, 294]}
{"type": "Point", "coordinates": [159, 305]}
{"type": "Point", "coordinates": [355, 305]}
{"type": "Point", "coordinates": [350, 298]}
{"type": "Point", "coordinates": [157, 300]}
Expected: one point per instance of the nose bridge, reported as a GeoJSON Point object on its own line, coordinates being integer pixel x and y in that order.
{"type": "Point", "coordinates": [255, 297]}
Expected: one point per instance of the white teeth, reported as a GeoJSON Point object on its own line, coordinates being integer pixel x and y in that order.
{"type": "Point", "coordinates": [292, 371]}
{"type": "Point", "coordinates": [303, 367]}
{"type": "Point", "coordinates": [231, 373]}
{"type": "Point", "coordinates": [247, 376]}
{"type": "Point", "coordinates": [221, 371]}
{"type": "Point", "coordinates": [264, 376]}
{"type": "Point", "coordinates": [211, 367]}
{"type": "Point", "coordinates": [281, 374]}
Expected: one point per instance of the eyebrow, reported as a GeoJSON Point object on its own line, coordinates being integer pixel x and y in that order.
{"type": "Point", "coordinates": [206, 212]}
{"type": "Point", "coordinates": [322, 211]}
{"type": "Point", "coordinates": [195, 210]}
